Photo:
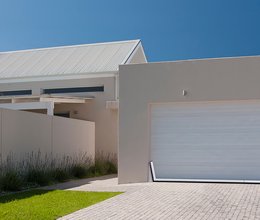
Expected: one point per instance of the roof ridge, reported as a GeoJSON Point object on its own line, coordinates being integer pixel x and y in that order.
{"type": "Point", "coordinates": [70, 46]}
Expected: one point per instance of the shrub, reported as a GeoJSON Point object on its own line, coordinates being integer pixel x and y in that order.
{"type": "Point", "coordinates": [39, 177]}
{"type": "Point", "coordinates": [11, 181]}
{"type": "Point", "coordinates": [105, 164]}
{"type": "Point", "coordinates": [100, 168]}
{"type": "Point", "coordinates": [79, 171]}
{"type": "Point", "coordinates": [60, 175]}
{"type": "Point", "coordinates": [91, 171]}
{"type": "Point", "coordinates": [112, 168]}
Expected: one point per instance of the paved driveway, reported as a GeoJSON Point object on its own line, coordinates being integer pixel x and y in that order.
{"type": "Point", "coordinates": [172, 201]}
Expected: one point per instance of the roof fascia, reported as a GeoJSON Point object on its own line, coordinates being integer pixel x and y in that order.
{"type": "Point", "coordinates": [60, 77]}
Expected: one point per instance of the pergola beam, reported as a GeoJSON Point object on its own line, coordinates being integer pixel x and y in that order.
{"type": "Point", "coordinates": [62, 100]}
{"type": "Point", "coordinates": [44, 98]}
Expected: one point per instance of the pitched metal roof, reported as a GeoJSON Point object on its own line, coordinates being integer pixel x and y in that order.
{"type": "Point", "coordinates": [68, 60]}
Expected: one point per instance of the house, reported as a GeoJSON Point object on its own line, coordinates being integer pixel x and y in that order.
{"type": "Point", "coordinates": [194, 120]}
{"type": "Point", "coordinates": [78, 82]}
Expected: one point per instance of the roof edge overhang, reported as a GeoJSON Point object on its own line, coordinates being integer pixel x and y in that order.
{"type": "Point", "coordinates": [91, 75]}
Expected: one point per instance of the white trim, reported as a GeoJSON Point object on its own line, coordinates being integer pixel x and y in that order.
{"type": "Point", "coordinates": [155, 179]}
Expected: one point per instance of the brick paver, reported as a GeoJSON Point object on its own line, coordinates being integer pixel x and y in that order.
{"type": "Point", "coordinates": [173, 201]}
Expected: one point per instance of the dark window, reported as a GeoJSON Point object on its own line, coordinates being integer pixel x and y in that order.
{"type": "Point", "coordinates": [74, 90]}
{"type": "Point", "coordinates": [15, 92]}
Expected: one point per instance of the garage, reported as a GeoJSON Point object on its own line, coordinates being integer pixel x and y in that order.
{"type": "Point", "coordinates": [206, 141]}
{"type": "Point", "coordinates": [195, 120]}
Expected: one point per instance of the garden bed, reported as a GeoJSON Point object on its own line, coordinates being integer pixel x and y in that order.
{"type": "Point", "coordinates": [36, 170]}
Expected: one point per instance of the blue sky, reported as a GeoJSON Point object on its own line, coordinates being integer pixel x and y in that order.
{"type": "Point", "coordinates": [169, 29]}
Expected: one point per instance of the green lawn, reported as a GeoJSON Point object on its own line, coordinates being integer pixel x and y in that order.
{"type": "Point", "coordinates": [43, 204]}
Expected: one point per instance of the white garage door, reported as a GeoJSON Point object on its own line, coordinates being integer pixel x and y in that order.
{"type": "Point", "coordinates": [209, 141]}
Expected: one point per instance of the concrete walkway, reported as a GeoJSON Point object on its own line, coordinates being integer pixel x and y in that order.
{"type": "Point", "coordinates": [106, 183]}
{"type": "Point", "coordinates": [168, 200]}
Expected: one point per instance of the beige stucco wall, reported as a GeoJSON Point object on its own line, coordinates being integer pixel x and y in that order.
{"type": "Point", "coordinates": [25, 132]}
{"type": "Point", "coordinates": [72, 136]}
{"type": "Point", "coordinates": [142, 84]}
